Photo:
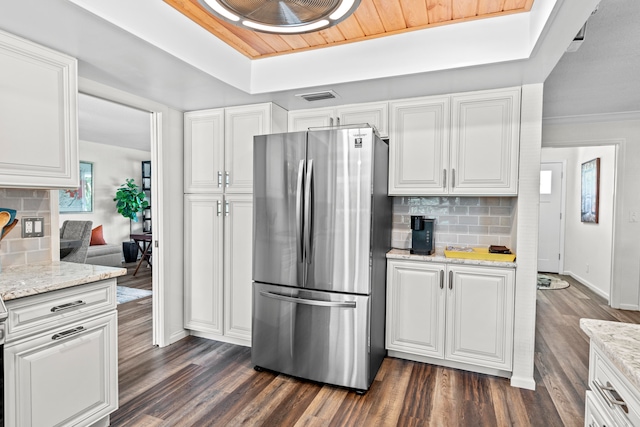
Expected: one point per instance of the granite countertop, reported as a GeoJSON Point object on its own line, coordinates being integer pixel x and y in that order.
{"type": "Point", "coordinates": [25, 280]}
{"type": "Point", "coordinates": [439, 257]}
{"type": "Point", "coordinates": [620, 342]}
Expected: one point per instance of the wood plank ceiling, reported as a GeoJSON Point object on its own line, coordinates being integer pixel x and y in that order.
{"type": "Point", "coordinates": [373, 18]}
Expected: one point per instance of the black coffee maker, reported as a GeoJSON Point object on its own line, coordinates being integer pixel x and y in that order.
{"type": "Point", "coordinates": [422, 241]}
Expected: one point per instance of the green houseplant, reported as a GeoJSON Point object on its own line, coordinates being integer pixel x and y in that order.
{"type": "Point", "coordinates": [130, 201]}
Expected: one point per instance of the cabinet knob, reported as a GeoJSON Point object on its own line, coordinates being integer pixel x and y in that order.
{"type": "Point", "coordinates": [226, 179]}
{"type": "Point", "coordinates": [453, 178]}
{"type": "Point", "coordinates": [450, 279]}
{"type": "Point", "coordinates": [441, 279]}
{"type": "Point", "coordinates": [219, 210]}
{"type": "Point", "coordinates": [226, 208]}
{"type": "Point", "coordinates": [219, 179]}
{"type": "Point", "coordinates": [444, 178]}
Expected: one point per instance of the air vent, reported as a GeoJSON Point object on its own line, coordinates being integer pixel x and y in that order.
{"type": "Point", "coordinates": [318, 96]}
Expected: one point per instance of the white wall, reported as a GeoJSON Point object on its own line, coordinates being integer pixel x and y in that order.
{"type": "Point", "coordinates": [588, 246]}
{"type": "Point", "coordinates": [623, 131]}
{"type": "Point", "coordinates": [111, 167]}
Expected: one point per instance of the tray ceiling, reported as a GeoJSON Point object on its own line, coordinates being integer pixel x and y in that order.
{"type": "Point", "coordinates": [373, 18]}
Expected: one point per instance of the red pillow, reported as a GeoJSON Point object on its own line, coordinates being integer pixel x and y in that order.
{"type": "Point", "coordinates": [96, 237]}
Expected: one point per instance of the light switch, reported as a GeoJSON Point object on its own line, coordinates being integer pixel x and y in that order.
{"type": "Point", "coordinates": [32, 227]}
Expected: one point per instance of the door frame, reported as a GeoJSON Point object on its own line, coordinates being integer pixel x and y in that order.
{"type": "Point", "coordinates": [157, 112]}
{"type": "Point", "coordinates": [563, 209]}
{"type": "Point", "coordinates": [619, 145]}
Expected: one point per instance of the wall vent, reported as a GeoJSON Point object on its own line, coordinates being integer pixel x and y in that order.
{"type": "Point", "coordinates": [318, 96]}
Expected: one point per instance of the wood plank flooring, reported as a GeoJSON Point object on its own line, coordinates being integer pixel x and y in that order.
{"type": "Point", "coordinates": [198, 382]}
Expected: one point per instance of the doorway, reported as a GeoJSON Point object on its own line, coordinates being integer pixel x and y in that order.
{"type": "Point", "coordinates": [585, 248]}
{"type": "Point", "coordinates": [551, 224]}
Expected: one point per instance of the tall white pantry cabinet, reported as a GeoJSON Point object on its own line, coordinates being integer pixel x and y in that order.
{"type": "Point", "coordinates": [218, 205]}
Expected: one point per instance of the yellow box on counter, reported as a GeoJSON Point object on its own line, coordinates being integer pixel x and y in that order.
{"type": "Point", "coordinates": [481, 254]}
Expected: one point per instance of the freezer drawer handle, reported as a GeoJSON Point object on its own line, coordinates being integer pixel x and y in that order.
{"type": "Point", "coordinates": [345, 304]}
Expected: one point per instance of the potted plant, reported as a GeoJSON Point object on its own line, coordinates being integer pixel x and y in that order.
{"type": "Point", "coordinates": [130, 201]}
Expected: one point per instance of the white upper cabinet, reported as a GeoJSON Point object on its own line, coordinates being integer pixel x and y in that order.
{"type": "Point", "coordinates": [463, 144]}
{"type": "Point", "coordinates": [419, 146]}
{"type": "Point", "coordinates": [485, 137]}
{"type": "Point", "coordinates": [219, 146]}
{"type": "Point", "coordinates": [375, 114]}
{"type": "Point", "coordinates": [204, 151]}
{"type": "Point", "coordinates": [241, 125]}
{"type": "Point", "coordinates": [38, 116]}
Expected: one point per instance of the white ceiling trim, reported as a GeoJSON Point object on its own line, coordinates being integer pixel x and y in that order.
{"type": "Point", "coordinates": [479, 42]}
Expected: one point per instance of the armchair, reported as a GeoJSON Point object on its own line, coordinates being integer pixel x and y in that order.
{"type": "Point", "coordinates": [77, 230]}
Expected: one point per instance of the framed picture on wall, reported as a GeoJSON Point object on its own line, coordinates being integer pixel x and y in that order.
{"type": "Point", "coordinates": [78, 200]}
{"type": "Point", "coordinates": [589, 197]}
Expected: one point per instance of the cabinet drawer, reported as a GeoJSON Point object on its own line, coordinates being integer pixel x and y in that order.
{"type": "Point", "coordinates": [594, 413]}
{"type": "Point", "coordinates": [38, 312]}
{"type": "Point", "coordinates": [612, 391]}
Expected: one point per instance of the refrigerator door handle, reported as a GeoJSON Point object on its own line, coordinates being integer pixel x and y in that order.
{"type": "Point", "coordinates": [344, 304]}
{"type": "Point", "coordinates": [308, 217]}
{"type": "Point", "coordinates": [299, 241]}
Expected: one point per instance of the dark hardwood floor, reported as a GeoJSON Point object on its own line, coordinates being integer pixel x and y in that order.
{"type": "Point", "coordinates": [198, 382]}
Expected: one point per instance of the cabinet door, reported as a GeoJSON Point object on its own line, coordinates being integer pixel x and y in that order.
{"type": "Point", "coordinates": [480, 316]}
{"type": "Point", "coordinates": [302, 120]}
{"type": "Point", "coordinates": [203, 262]}
{"type": "Point", "coordinates": [419, 146]}
{"type": "Point", "coordinates": [66, 376]}
{"type": "Point", "coordinates": [204, 151]}
{"type": "Point", "coordinates": [415, 308]}
{"type": "Point", "coordinates": [238, 231]}
{"type": "Point", "coordinates": [37, 110]}
{"type": "Point", "coordinates": [485, 139]}
{"type": "Point", "coordinates": [241, 125]}
{"type": "Point", "coordinates": [375, 114]}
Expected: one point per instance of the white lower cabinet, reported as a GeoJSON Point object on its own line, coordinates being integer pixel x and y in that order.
{"type": "Point", "coordinates": [454, 313]}
{"type": "Point", "coordinates": [66, 375]}
{"type": "Point", "coordinates": [218, 265]}
{"type": "Point", "coordinates": [613, 400]}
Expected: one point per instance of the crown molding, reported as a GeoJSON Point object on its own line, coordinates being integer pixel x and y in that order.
{"type": "Point", "coordinates": [592, 118]}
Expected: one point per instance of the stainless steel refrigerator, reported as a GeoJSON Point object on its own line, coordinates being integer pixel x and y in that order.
{"type": "Point", "coordinates": [322, 227]}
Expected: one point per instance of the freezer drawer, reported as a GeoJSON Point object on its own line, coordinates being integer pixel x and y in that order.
{"type": "Point", "coordinates": [315, 335]}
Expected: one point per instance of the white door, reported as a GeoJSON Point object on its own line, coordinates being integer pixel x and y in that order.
{"type": "Point", "coordinates": [304, 119]}
{"type": "Point", "coordinates": [203, 262]}
{"type": "Point", "coordinates": [480, 307]}
{"type": "Point", "coordinates": [238, 241]}
{"type": "Point", "coordinates": [485, 132]}
{"type": "Point", "coordinates": [419, 146]}
{"type": "Point", "coordinates": [415, 308]}
{"type": "Point", "coordinates": [550, 225]}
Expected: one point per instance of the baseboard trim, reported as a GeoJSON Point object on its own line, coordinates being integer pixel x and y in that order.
{"type": "Point", "coordinates": [223, 338]}
{"type": "Point", "coordinates": [523, 382]}
{"type": "Point", "coordinates": [449, 364]}
{"type": "Point", "coordinates": [591, 286]}
{"type": "Point", "coordinates": [177, 336]}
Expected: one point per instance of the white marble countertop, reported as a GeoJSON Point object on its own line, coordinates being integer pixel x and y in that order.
{"type": "Point", "coordinates": [25, 280]}
{"type": "Point", "coordinates": [439, 257]}
{"type": "Point", "coordinates": [620, 342]}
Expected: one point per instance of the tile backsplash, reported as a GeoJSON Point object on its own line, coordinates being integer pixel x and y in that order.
{"type": "Point", "coordinates": [460, 221]}
{"type": "Point", "coordinates": [14, 250]}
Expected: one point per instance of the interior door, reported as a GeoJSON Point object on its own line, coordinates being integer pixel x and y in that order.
{"type": "Point", "coordinates": [550, 226]}
{"type": "Point", "coordinates": [277, 222]}
{"type": "Point", "coordinates": [338, 222]}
